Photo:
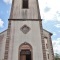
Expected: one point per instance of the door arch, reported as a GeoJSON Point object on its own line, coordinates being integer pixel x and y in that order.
{"type": "Point", "coordinates": [25, 51]}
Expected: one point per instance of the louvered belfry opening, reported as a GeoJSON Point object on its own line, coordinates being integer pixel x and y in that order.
{"type": "Point", "coordinates": [25, 4]}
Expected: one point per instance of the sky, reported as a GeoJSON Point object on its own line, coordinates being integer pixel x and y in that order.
{"type": "Point", "coordinates": [50, 15]}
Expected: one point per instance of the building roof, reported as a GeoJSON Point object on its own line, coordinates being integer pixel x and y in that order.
{"type": "Point", "coordinates": [48, 32]}
{"type": "Point", "coordinates": [3, 31]}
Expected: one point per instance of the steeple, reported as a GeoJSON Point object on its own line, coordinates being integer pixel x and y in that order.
{"type": "Point", "coordinates": [25, 9]}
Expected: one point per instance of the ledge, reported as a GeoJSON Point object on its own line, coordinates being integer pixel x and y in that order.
{"type": "Point", "coordinates": [26, 19]}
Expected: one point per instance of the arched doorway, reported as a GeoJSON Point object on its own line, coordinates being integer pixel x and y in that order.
{"type": "Point", "coordinates": [25, 51]}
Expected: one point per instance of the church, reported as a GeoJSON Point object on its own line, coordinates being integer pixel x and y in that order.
{"type": "Point", "coordinates": [25, 38]}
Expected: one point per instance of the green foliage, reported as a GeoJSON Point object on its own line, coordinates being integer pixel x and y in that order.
{"type": "Point", "coordinates": [57, 56]}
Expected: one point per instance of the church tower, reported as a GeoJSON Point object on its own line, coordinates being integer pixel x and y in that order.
{"type": "Point", "coordinates": [25, 39]}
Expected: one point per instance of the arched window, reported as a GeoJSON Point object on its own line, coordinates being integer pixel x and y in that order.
{"type": "Point", "coordinates": [25, 52]}
{"type": "Point", "coordinates": [46, 42]}
{"type": "Point", "coordinates": [25, 4]}
{"type": "Point", "coordinates": [46, 47]}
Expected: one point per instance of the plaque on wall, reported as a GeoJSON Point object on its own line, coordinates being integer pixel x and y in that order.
{"type": "Point", "coordinates": [25, 29]}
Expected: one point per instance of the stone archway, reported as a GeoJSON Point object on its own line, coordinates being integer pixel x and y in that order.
{"type": "Point", "coordinates": [25, 51]}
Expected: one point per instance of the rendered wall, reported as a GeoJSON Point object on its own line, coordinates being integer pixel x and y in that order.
{"type": "Point", "coordinates": [50, 47]}
{"type": "Point", "coordinates": [2, 44]}
{"type": "Point", "coordinates": [17, 12]}
{"type": "Point", "coordinates": [33, 37]}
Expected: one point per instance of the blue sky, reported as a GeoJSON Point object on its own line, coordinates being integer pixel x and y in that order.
{"type": "Point", "coordinates": [50, 14]}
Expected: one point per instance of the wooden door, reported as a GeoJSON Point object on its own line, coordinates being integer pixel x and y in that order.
{"type": "Point", "coordinates": [23, 57]}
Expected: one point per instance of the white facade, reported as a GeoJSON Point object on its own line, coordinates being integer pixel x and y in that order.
{"type": "Point", "coordinates": [25, 26]}
{"type": "Point", "coordinates": [17, 43]}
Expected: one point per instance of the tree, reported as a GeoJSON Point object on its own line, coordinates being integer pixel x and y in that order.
{"type": "Point", "coordinates": [57, 56]}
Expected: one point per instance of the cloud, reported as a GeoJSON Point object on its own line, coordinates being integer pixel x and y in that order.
{"type": "Point", "coordinates": [58, 16]}
{"type": "Point", "coordinates": [1, 23]}
{"type": "Point", "coordinates": [57, 25]}
{"type": "Point", "coordinates": [47, 9]}
{"type": "Point", "coordinates": [54, 33]}
{"type": "Point", "coordinates": [56, 45]}
{"type": "Point", "coordinates": [8, 1]}
{"type": "Point", "coordinates": [52, 8]}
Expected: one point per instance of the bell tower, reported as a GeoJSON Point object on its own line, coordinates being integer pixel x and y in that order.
{"type": "Point", "coordinates": [25, 9]}
{"type": "Point", "coordinates": [25, 33]}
